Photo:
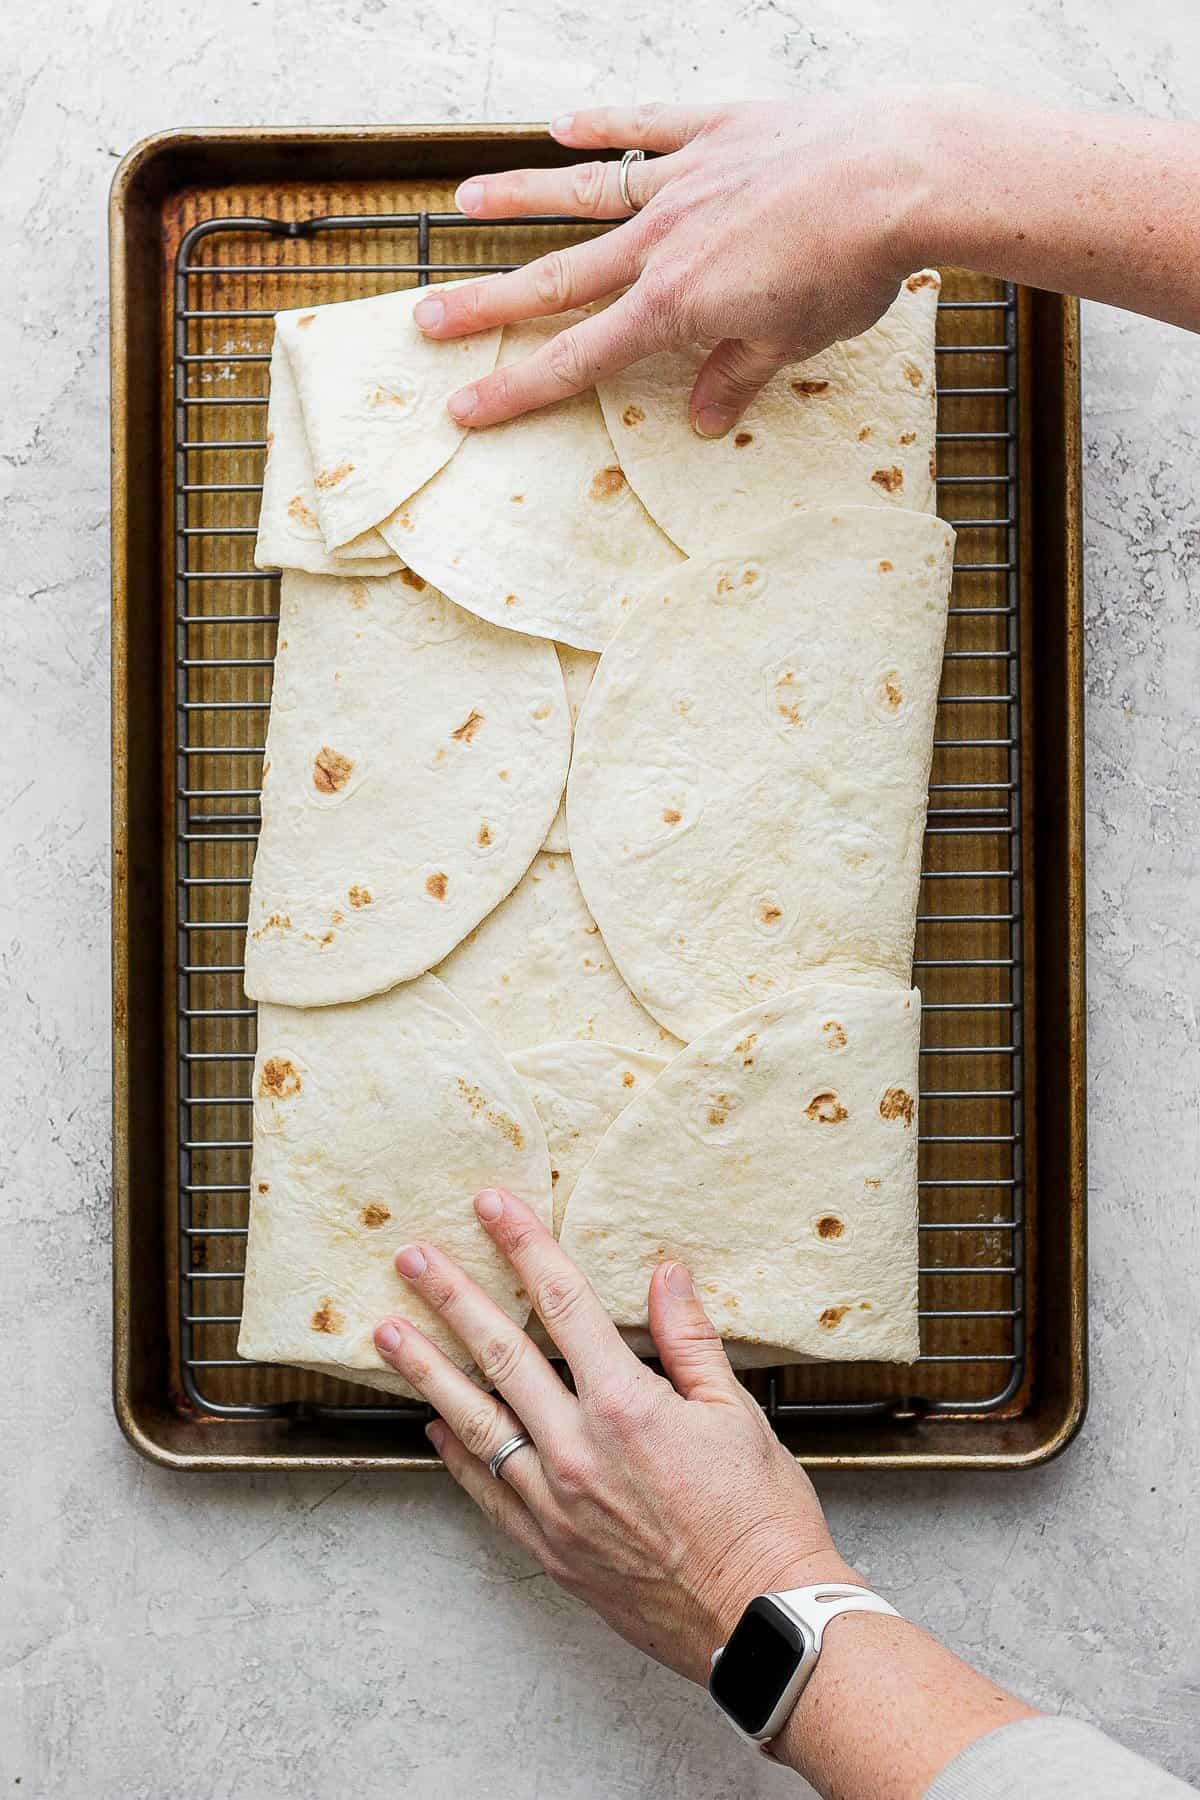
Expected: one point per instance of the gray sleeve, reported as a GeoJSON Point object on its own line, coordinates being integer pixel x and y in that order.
{"type": "Point", "coordinates": [1053, 1759]}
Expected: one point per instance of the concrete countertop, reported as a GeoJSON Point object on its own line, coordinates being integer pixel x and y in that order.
{"type": "Point", "coordinates": [212, 1636]}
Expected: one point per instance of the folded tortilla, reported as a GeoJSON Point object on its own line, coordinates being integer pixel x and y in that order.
{"type": "Point", "coordinates": [375, 1124]}
{"type": "Point", "coordinates": [854, 425]}
{"type": "Point", "coordinates": [750, 773]}
{"type": "Point", "coordinates": [776, 1157]}
{"type": "Point", "coordinates": [415, 758]}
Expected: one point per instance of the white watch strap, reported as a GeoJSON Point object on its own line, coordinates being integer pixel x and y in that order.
{"type": "Point", "coordinates": [815, 1606]}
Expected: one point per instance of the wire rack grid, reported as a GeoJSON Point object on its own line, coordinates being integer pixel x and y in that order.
{"type": "Point", "coordinates": [231, 276]}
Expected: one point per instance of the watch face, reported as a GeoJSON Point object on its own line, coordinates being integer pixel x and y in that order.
{"type": "Point", "coordinates": [756, 1665]}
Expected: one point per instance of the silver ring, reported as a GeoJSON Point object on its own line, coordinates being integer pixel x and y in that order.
{"type": "Point", "coordinates": [630, 156]}
{"type": "Point", "coordinates": [505, 1451]}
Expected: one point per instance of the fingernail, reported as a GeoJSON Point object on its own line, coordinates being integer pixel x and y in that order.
{"type": "Point", "coordinates": [560, 126]}
{"type": "Point", "coordinates": [463, 404]}
{"type": "Point", "coordinates": [679, 1282]}
{"type": "Point", "coordinates": [387, 1337]}
{"type": "Point", "coordinates": [428, 314]}
{"type": "Point", "coordinates": [712, 421]}
{"type": "Point", "coordinates": [469, 196]}
{"type": "Point", "coordinates": [489, 1205]}
{"type": "Point", "coordinates": [411, 1261]}
{"type": "Point", "coordinates": [435, 1431]}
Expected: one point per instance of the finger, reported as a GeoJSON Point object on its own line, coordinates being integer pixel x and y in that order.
{"type": "Point", "coordinates": [502, 1504]}
{"type": "Point", "coordinates": [550, 284]}
{"type": "Point", "coordinates": [563, 1298]}
{"type": "Point", "coordinates": [585, 190]}
{"type": "Point", "coordinates": [570, 363]}
{"type": "Point", "coordinates": [480, 1422]}
{"type": "Point", "coordinates": [730, 378]}
{"type": "Point", "coordinates": [689, 1346]}
{"type": "Point", "coordinates": [651, 126]}
{"type": "Point", "coordinates": [503, 1354]}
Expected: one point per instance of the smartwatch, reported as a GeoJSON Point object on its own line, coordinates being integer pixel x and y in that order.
{"type": "Point", "coordinates": [758, 1676]}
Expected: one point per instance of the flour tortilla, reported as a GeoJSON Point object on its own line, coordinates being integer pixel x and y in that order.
{"type": "Point", "coordinates": [750, 774]}
{"type": "Point", "coordinates": [289, 531]}
{"type": "Point", "coordinates": [776, 1157]}
{"type": "Point", "coordinates": [533, 524]}
{"type": "Point", "coordinates": [854, 425]}
{"type": "Point", "coordinates": [373, 1125]}
{"type": "Point", "coordinates": [373, 390]}
{"type": "Point", "coordinates": [578, 1090]}
{"type": "Point", "coordinates": [578, 667]}
{"type": "Point", "coordinates": [415, 757]}
{"type": "Point", "coordinates": [537, 970]}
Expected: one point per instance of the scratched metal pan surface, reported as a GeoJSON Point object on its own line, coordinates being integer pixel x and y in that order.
{"type": "Point", "coordinates": [211, 233]}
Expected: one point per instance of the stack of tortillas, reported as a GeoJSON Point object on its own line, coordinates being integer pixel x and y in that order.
{"type": "Point", "coordinates": [667, 1000]}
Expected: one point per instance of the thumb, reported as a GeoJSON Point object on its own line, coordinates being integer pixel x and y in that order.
{"type": "Point", "coordinates": [729, 380]}
{"type": "Point", "coordinates": [686, 1339]}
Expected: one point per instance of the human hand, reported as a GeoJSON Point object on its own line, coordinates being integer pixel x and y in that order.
{"type": "Point", "coordinates": [772, 227]}
{"type": "Point", "coordinates": [665, 1504]}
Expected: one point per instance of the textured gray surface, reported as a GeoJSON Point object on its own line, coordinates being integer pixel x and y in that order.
{"type": "Point", "coordinates": [211, 1637]}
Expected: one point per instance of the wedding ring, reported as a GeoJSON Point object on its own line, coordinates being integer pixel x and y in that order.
{"type": "Point", "coordinates": [505, 1451]}
{"type": "Point", "coordinates": [630, 156]}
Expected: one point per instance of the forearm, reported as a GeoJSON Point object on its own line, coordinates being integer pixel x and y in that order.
{"type": "Point", "coordinates": [888, 1708]}
{"type": "Point", "coordinates": [1084, 203]}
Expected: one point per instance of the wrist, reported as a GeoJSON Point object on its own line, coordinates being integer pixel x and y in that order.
{"type": "Point", "coordinates": [771, 1572]}
{"type": "Point", "coordinates": [934, 132]}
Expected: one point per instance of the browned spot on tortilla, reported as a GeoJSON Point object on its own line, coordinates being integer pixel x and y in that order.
{"type": "Point", "coordinates": [716, 1116]}
{"type": "Point", "coordinates": [591, 930]}
{"type": "Point", "coordinates": [891, 480]}
{"type": "Point", "coordinates": [329, 478]}
{"type": "Point", "coordinates": [746, 1048]}
{"type": "Point", "coordinates": [266, 769]}
{"type": "Point", "coordinates": [742, 438]}
{"type": "Point", "coordinates": [864, 1306]}
{"type": "Point", "coordinates": [331, 770]}
{"type": "Point", "coordinates": [932, 466]}
{"type": "Point", "coordinates": [607, 483]}
{"type": "Point", "coordinates": [465, 733]}
{"type": "Point", "coordinates": [278, 1079]}
{"type": "Point", "coordinates": [327, 1318]}
{"type": "Point", "coordinates": [829, 1226]}
{"type": "Point", "coordinates": [924, 279]}
{"type": "Point", "coordinates": [683, 706]}
{"type": "Point", "coordinates": [411, 579]}
{"type": "Point", "coordinates": [835, 1034]}
{"type": "Point", "coordinates": [385, 396]}
{"type": "Point", "coordinates": [335, 918]}
{"type": "Point", "coordinates": [302, 514]}
{"type": "Point", "coordinates": [554, 1174]}
{"type": "Point", "coordinates": [808, 387]}
{"type": "Point", "coordinates": [886, 567]}
{"type": "Point", "coordinates": [510, 599]}
{"type": "Point", "coordinates": [832, 1316]}
{"type": "Point", "coordinates": [303, 324]}
{"type": "Point", "coordinates": [908, 437]}
{"type": "Point", "coordinates": [864, 434]}
{"type": "Point", "coordinates": [897, 1103]}
{"type": "Point", "coordinates": [404, 520]}
{"type": "Point", "coordinates": [633, 415]}
{"type": "Point", "coordinates": [731, 1301]}
{"type": "Point", "coordinates": [671, 815]}
{"type": "Point", "coordinates": [327, 940]}
{"type": "Point", "coordinates": [517, 499]}
{"type": "Point", "coordinates": [769, 913]}
{"type": "Point", "coordinates": [264, 1187]}
{"type": "Point", "coordinates": [483, 836]}
{"type": "Point", "coordinates": [358, 592]}
{"type": "Point", "coordinates": [893, 693]}
{"type": "Point", "coordinates": [627, 1078]}
{"type": "Point", "coordinates": [373, 1215]}
{"type": "Point", "coordinates": [790, 713]}
{"type": "Point", "coordinates": [276, 922]}
{"type": "Point", "coordinates": [436, 883]}
{"type": "Point", "coordinates": [503, 774]}
{"type": "Point", "coordinates": [543, 711]}
{"type": "Point", "coordinates": [873, 1181]}
{"type": "Point", "coordinates": [912, 374]}
{"type": "Point", "coordinates": [482, 1107]}
{"type": "Point", "coordinates": [826, 1109]}
{"type": "Point", "coordinates": [360, 896]}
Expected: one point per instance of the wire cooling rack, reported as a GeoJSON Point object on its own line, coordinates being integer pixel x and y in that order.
{"type": "Point", "coordinates": [231, 276]}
